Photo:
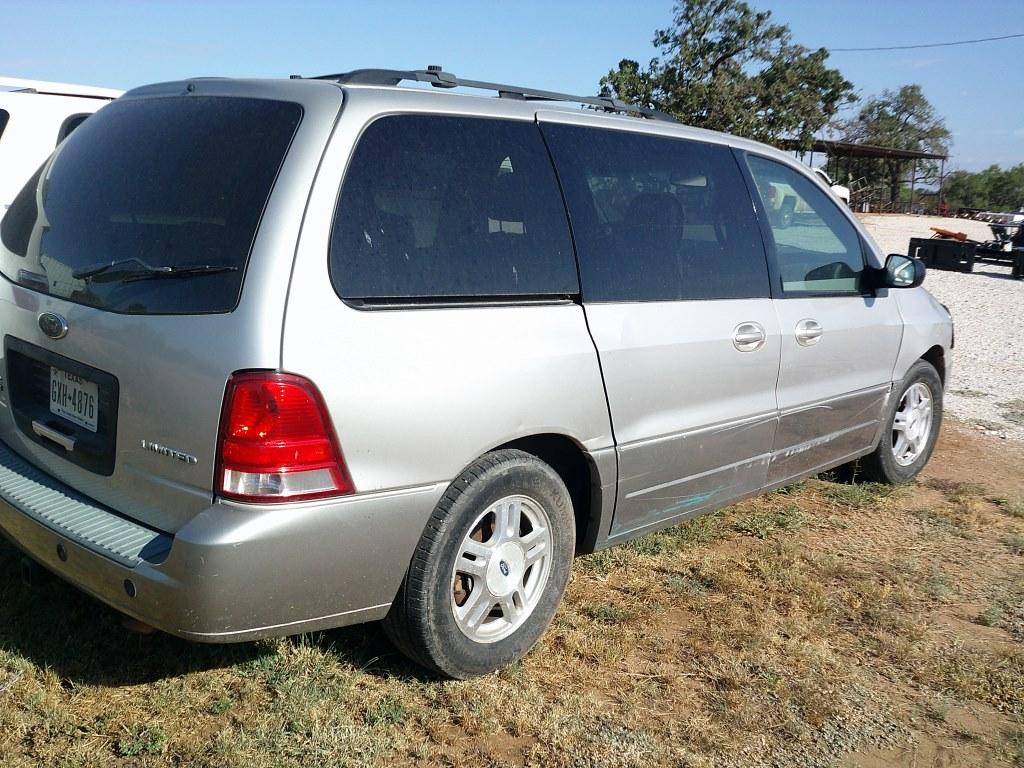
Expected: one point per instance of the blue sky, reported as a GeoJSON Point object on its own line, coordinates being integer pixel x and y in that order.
{"type": "Point", "coordinates": [565, 45]}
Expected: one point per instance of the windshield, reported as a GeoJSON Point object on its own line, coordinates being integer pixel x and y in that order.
{"type": "Point", "coordinates": [168, 188]}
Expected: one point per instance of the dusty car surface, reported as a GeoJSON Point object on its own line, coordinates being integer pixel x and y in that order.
{"type": "Point", "coordinates": [282, 355]}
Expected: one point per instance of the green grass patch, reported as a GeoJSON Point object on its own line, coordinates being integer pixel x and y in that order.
{"type": "Point", "coordinates": [1010, 748]}
{"type": "Point", "coordinates": [937, 584]}
{"type": "Point", "coordinates": [697, 532]}
{"type": "Point", "coordinates": [1007, 612]}
{"type": "Point", "coordinates": [973, 675]}
{"type": "Point", "coordinates": [762, 522]}
{"type": "Point", "coordinates": [793, 489]}
{"type": "Point", "coordinates": [220, 705]}
{"type": "Point", "coordinates": [1011, 507]}
{"type": "Point", "coordinates": [856, 495]}
{"type": "Point", "coordinates": [942, 522]}
{"type": "Point", "coordinates": [386, 711]}
{"type": "Point", "coordinates": [954, 490]}
{"type": "Point", "coordinates": [142, 739]}
{"type": "Point", "coordinates": [606, 614]}
{"type": "Point", "coordinates": [692, 583]}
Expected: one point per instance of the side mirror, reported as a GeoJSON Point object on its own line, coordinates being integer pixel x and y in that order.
{"type": "Point", "coordinates": [903, 272]}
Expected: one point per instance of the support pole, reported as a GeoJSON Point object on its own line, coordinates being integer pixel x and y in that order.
{"type": "Point", "coordinates": [942, 178]}
{"type": "Point", "coordinates": [913, 183]}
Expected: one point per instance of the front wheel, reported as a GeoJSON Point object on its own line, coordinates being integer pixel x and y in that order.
{"type": "Point", "coordinates": [911, 427]}
{"type": "Point", "coordinates": [490, 568]}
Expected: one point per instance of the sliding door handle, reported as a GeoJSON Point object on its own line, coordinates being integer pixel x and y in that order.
{"type": "Point", "coordinates": [808, 332]}
{"type": "Point", "coordinates": [748, 337]}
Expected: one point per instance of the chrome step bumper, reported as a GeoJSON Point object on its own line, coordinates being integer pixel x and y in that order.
{"type": "Point", "coordinates": [234, 572]}
{"type": "Point", "coordinates": [73, 516]}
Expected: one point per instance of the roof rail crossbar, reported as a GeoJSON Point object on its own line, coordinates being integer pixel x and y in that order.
{"type": "Point", "coordinates": [438, 78]}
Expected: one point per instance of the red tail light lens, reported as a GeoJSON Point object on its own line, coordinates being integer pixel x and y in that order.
{"type": "Point", "coordinates": [276, 441]}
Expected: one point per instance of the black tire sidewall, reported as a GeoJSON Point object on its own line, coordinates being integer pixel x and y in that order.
{"type": "Point", "coordinates": [891, 471]}
{"type": "Point", "coordinates": [451, 651]}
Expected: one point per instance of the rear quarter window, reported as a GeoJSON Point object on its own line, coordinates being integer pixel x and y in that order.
{"type": "Point", "coordinates": [450, 208]}
{"type": "Point", "coordinates": [145, 188]}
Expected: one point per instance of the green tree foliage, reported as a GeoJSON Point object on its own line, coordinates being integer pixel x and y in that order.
{"type": "Point", "coordinates": [726, 67]}
{"type": "Point", "coordinates": [902, 119]}
{"type": "Point", "coordinates": [992, 189]}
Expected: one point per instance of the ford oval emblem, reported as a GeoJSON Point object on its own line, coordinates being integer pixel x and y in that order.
{"type": "Point", "coordinates": [53, 325]}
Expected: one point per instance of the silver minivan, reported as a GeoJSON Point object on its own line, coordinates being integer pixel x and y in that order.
{"type": "Point", "coordinates": [284, 355]}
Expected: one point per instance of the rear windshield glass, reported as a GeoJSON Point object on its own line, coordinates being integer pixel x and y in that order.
{"type": "Point", "coordinates": [451, 208]}
{"type": "Point", "coordinates": [150, 206]}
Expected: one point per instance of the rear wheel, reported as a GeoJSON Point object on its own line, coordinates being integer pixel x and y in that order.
{"type": "Point", "coordinates": [490, 568]}
{"type": "Point", "coordinates": [912, 427]}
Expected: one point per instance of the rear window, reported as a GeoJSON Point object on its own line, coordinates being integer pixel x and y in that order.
{"type": "Point", "coordinates": [150, 206]}
{"type": "Point", "coordinates": [439, 208]}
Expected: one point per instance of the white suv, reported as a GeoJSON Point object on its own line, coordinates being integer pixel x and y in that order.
{"type": "Point", "coordinates": [35, 116]}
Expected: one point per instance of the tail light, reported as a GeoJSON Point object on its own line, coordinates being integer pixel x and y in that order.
{"type": "Point", "coordinates": [276, 441]}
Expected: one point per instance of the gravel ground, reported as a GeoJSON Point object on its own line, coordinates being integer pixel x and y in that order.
{"type": "Point", "coordinates": [987, 387]}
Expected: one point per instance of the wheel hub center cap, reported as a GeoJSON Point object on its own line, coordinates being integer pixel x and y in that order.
{"type": "Point", "coordinates": [505, 571]}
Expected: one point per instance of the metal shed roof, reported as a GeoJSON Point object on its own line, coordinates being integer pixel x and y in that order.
{"type": "Point", "coordinates": [850, 149]}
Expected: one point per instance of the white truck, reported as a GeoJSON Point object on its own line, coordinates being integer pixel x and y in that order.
{"type": "Point", "coordinates": [843, 193]}
{"type": "Point", "coordinates": [35, 116]}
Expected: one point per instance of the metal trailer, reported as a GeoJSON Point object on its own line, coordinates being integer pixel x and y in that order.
{"type": "Point", "coordinates": [1008, 239]}
{"type": "Point", "coordinates": [944, 253]}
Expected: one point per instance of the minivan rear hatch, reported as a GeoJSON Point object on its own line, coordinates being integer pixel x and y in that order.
{"type": "Point", "coordinates": [124, 258]}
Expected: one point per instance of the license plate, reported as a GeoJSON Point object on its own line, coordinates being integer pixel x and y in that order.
{"type": "Point", "coordinates": [74, 398]}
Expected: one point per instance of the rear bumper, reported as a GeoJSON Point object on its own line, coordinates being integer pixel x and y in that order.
{"type": "Point", "coordinates": [234, 572]}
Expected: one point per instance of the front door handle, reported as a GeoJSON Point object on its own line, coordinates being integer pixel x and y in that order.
{"type": "Point", "coordinates": [748, 337]}
{"type": "Point", "coordinates": [808, 332]}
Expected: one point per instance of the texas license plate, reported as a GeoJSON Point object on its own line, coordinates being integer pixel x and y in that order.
{"type": "Point", "coordinates": [74, 398]}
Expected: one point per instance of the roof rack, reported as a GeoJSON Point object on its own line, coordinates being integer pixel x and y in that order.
{"type": "Point", "coordinates": [438, 78]}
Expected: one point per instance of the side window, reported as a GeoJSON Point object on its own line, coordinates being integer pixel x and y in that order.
{"type": "Point", "coordinates": [4, 117]}
{"type": "Point", "coordinates": [69, 125]}
{"type": "Point", "coordinates": [436, 207]}
{"type": "Point", "coordinates": [817, 248]}
{"type": "Point", "coordinates": [658, 219]}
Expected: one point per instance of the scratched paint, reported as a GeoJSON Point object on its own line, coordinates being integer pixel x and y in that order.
{"type": "Point", "coordinates": [690, 501]}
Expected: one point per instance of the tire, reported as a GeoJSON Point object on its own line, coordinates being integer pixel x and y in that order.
{"type": "Point", "coordinates": [463, 557]}
{"type": "Point", "coordinates": [889, 463]}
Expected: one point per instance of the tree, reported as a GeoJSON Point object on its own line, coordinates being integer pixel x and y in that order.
{"type": "Point", "coordinates": [726, 67]}
{"type": "Point", "coordinates": [992, 189]}
{"type": "Point", "coordinates": [902, 119]}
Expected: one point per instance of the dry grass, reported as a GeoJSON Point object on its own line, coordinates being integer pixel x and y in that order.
{"type": "Point", "coordinates": [792, 629]}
